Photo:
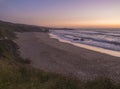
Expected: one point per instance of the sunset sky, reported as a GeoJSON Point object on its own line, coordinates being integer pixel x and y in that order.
{"type": "Point", "coordinates": [62, 13]}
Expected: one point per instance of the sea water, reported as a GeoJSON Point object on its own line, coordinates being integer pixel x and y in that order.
{"type": "Point", "coordinates": [104, 41]}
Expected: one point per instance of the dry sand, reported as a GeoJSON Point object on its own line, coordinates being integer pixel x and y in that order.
{"type": "Point", "coordinates": [51, 55]}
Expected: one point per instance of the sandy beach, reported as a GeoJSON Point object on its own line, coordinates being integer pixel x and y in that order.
{"type": "Point", "coordinates": [53, 56]}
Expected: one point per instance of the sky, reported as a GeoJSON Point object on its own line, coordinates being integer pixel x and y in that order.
{"type": "Point", "coordinates": [62, 13]}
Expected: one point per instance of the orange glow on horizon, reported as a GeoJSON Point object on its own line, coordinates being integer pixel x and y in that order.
{"type": "Point", "coordinates": [88, 25]}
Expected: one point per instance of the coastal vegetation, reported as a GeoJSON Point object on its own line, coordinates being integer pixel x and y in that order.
{"type": "Point", "coordinates": [17, 73]}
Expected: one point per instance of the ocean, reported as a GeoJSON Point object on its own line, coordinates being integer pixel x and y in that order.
{"type": "Point", "coordinates": [104, 41]}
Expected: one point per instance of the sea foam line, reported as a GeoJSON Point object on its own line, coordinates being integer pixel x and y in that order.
{"type": "Point", "coordinates": [97, 49]}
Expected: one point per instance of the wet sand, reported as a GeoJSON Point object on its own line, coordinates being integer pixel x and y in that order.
{"type": "Point", "coordinates": [92, 48]}
{"type": "Point", "coordinates": [51, 55]}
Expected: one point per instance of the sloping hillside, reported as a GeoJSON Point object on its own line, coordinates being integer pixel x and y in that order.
{"type": "Point", "coordinates": [22, 27]}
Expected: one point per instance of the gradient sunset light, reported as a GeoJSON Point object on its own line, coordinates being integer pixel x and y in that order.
{"type": "Point", "coordinates": [62, 13]}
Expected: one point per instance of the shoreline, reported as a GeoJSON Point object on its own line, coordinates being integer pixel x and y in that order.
{"type": "Point", "coordinates": [51, 55]}
{"type": "Point", "coordinates": [92, 48]}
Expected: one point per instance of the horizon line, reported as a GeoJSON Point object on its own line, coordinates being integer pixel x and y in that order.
{"type": "Point", "coordinates": [114, 26]}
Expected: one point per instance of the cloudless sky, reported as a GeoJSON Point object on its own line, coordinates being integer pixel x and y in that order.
{"type": "Point", "coordinates": [62, 13]}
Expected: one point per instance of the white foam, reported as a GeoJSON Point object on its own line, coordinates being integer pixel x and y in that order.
{"type": "Point", "coordinates": [97, 49]}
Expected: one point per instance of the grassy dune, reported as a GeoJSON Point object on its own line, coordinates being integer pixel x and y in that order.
{"type": "Point", "coordinates": [16, 73]}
